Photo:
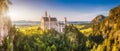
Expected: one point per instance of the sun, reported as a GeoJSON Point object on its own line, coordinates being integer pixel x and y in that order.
{"type": "Point", "coordinates": [12, 13]}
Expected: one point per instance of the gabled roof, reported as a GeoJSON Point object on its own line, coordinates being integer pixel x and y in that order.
{"type": "Point", "coordinates": [47, 18]}
{"type": "Point", "coordinates": [53, 19]}
{"type": "Point", "coordinates": [61, 23]}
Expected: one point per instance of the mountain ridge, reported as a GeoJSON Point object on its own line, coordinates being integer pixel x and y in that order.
{"type": "Point", "coordinates": [98, 19]}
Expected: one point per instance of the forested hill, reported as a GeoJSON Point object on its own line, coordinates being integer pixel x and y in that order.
{"type": "Point", "coordinates": [109, 29]}
{"type": "Point", "coordinates": [98, 19]}
{"type": "Point", "coordinates": [111, 23]}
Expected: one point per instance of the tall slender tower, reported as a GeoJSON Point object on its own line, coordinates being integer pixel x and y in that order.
{"type": "Point", "coordinates": [65, 21]}
{"type": "Point", "coordinates": [49, 22]}
{"type": "Point", "coordinates": [46, 14]}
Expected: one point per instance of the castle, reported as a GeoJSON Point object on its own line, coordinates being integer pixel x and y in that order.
{"type": "Point", "coordinates": [48, 22]}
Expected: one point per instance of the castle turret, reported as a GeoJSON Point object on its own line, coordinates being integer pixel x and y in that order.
{"type": "Point", "coordinates": [65, 21]}
{"type": "Point", "coordinates": [46, 15]}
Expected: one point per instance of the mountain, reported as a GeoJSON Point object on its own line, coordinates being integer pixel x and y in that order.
{"type": "Point", "coordinates": [23, 22]}
{"type": "Point", "coordinates": [108, 32]}
{"type": "Point", "coordinates": [111, 24]}
{"type": "Point", "coordinates": [98, 19]}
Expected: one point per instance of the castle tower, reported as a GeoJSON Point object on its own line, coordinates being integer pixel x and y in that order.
{"type": "Point", "coordinates": [49, 22]}
{"type": "Point", "coordinates": [46, 14]}
{"type": "Point", "coordinates": [65, 21]}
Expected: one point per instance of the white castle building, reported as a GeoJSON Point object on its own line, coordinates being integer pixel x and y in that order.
{"type": "Point", "coordinates": [48, 22]}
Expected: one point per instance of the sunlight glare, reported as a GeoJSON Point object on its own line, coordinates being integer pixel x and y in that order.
{"type": "Point", "coordinates": [11, 14]}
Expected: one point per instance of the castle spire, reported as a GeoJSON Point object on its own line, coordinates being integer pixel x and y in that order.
{"type": "Point", "coordinates": [46, 14]}
{"type": "Point", "coordinates": [65, 21]}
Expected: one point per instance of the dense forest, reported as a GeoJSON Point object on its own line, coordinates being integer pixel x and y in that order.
{"type": "Point", "coordinates": [103, 35]}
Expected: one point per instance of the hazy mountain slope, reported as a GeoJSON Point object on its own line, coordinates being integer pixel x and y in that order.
{"type": "Point", "coordinates": [110, 31]}
{"type": "Point", "coordinates": [98, 19]}
{"type": "Point", "coordinates": [110, 24]}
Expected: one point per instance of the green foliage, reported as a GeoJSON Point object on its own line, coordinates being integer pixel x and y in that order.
{"type": "Point", "coordinates": [98, 39]}
{"type": "Point", "coordinates": [105, 37]}
{"type": "Point", "coordinates": [48, 41]}
{"type": "Point", "coordinates": [106, 33]}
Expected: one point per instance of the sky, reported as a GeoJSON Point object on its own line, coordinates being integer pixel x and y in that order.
{"type": "Point", "coordinates": [74, 10]}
